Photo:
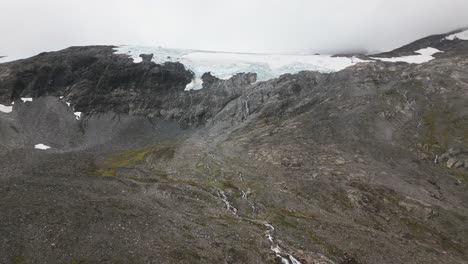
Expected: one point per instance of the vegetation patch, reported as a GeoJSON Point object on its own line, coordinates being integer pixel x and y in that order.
{"type": "Point", "coordinates": [128, 158]}
{"type": "Point", "coordinates": [422, 231]}
{"type": "Point", "coordinates": [17, 260]}
{"type": "Point", "coordinates": [443, 127]}
{"type": "Point", "coordinates": [106, 172]}
{"type": "Point", "coordinates": [132, 157]}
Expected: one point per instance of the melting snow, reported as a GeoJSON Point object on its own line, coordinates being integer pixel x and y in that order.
{"type": "Point", "coordinates": [137, 59]}
{"type": "Point", "coordinates": [6, 108]}
{"type": "Point", "coordinates": [460, 35]}
{"type": "Point", "coordinates": [26, 99]}
{"type": "Point", "coordinates": [41, 146]}
{"type": "Point", "coordinates": [224, 65]}
{"type": "Point", "coordinates": [78, 115]}
{"type": "Point", "coordinates": [425, 55]}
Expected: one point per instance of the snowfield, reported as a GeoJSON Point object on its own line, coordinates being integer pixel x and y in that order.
{"type": "Point", "coordinates": [224, 65]}
{"type": "Point", "coordinates": [460, 35]}
{"type": "Point", "coordinates": [425, 55]}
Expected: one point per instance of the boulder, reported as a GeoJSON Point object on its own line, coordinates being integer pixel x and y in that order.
{"type": "Point", "coordinates": [444, 157]}
{"type": "Point", "coordinates": [458, 164]}
{"type": "Point", "coordinates": [146, 57]}
{"type": "Point", "coordinates": [454, 151]}
{"type": "Point", "coordinates": [451, 162]}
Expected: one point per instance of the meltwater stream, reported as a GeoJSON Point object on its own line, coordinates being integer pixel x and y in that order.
{"type": "Point", "coordinates": [285, 257]}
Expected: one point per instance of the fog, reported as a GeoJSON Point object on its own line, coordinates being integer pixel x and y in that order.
{"type": "Point", "coordinates": [28, 27]}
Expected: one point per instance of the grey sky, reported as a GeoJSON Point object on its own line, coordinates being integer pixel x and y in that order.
{"type": "Point", "coordinates": [31, 26]}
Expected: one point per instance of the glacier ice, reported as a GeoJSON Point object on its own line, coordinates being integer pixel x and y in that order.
{"type": "Point", "coordinates": [224, 65]}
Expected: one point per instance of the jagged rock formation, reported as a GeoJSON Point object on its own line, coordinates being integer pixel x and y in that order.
{"type": "Point", "coordinates": [365, 165]}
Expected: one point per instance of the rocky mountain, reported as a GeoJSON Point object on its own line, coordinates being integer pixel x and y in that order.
{"type": "Point", "coordinates": [450, 44]}
{"type": "Point", "coordinates": [109, 161]}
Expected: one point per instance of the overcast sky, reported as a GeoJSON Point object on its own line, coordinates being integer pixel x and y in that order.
{"type": "Point", "coordinates": [28, 27]}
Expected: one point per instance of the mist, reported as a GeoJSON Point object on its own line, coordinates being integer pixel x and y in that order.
{"type": "Point", "coordinates": [28, 27]}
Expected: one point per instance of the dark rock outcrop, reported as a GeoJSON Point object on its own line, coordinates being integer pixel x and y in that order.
{"type": "Point", "coordinates": [146, 57]}
{"type": "Point", "coordinates": [92, 78]}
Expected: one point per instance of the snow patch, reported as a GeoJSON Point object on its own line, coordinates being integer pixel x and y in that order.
{"type": "Point", "coordinates": [41, 146]}
{"type": "Point", "coordinates": [78, 115]}
{"type": "Point", "coordinates": [460, 35]}
{"type": "Point", "coordinates": [425, 55]}
{"type": "Point", "coordinates": [196, 84]}
{"type": "Point", "coordinates": [137, 59]}
{"type": "Point", "coordinates": [6, 108]}
{"type": "Point", "coordinates": [26, 99]}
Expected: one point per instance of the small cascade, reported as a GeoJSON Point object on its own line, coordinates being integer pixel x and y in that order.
{"type": "Point", "coordinates": [280, 253]}
{"type": "Point", "coordinates": [245, 195]}
{"type": "Point", "coordinates": [229, 206]}
{"type": "Point", "coordinates": [283, 256]}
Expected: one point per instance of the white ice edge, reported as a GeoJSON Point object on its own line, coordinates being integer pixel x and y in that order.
{"type": "Point", "coordinates": [41, 147]}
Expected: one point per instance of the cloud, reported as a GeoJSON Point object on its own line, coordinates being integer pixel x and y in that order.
{"type": "Point", "coordinates": [28, 27]}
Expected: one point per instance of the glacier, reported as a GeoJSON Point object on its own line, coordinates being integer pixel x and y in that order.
{"type": "Point", "coordinates": [224, 65]}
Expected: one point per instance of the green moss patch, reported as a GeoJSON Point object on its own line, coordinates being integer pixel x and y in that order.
{"type": "Point", "coordinates": [17, 260]}
{"type": "Point", "coordinates": [133, 157]}
{"type": "Point", "coordinates": [442, 127]}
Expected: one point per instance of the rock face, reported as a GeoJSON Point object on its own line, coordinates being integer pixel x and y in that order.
{"type": "Point", "coordinates": [146, 57]}
{"type": "Point", "coordinates": [93, 79]}
{"type": "Point", "coordinates": [454, 157]}
{"type": "Point", "coordinates": [365, 165]}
